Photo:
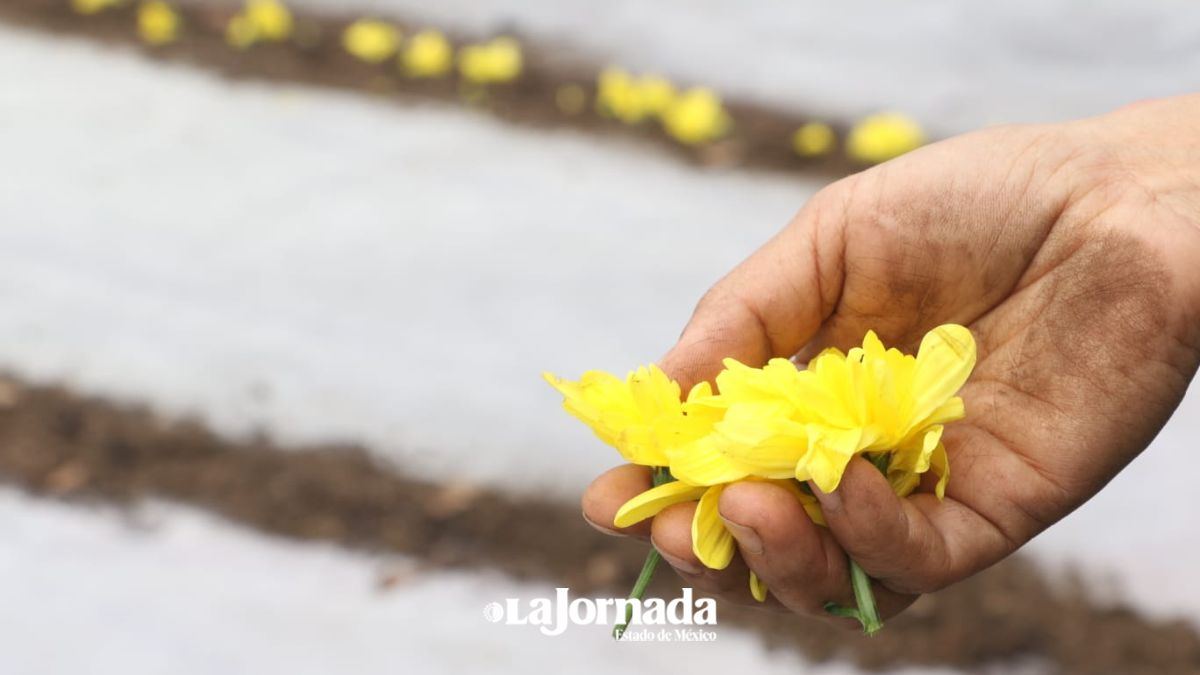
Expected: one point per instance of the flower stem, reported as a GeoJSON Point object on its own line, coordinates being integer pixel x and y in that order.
{"type": "Point", "coordinates": [864, 597]}
{"type": "Point", "coordinates": [865, 613]}
{"type": "Point", "coordinates": [639, 590]}
{"type": "Point", "coordinates": [661, 475]}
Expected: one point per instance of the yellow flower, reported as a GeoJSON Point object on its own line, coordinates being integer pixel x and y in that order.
{"type": "Point", "coordinates": [157, 22]}
{"type": "Point", "coordinates": [272, 20]}
{"type": "Point", "coordinates": [240, 32]}
{"type": "Point", "coordinates": [641, 416]}
{"type": "Point", "coordinates": [808, 424]}
{"type": "Point", "coordinates": [813, 139]}
{"type": "Point", "coordinates": [696, 116]}
{"type": "Point", "coordinates": [499, 60]}
{"type": "Point", "coordinates": [657, 94]}
{"type": "Point", "coordinates": [428, 55]}
{"type": "Point", "coordinates": [616, 95]}
{"type": "Point", "coordinates": [93, 6]}
{"type": "Point", "coordinates": [370, 40]}
{"type": "Point", "coordinates": [630, 99]}
{"type": "Point", "coordinates": [883, 136]}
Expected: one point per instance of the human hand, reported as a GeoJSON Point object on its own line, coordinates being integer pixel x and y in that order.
{"type": "Point", "coordinates": [1071, 251]}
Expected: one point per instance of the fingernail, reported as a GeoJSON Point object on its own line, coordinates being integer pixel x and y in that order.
{"type": "Point", "coordinates": [686, 566]}
{"type": "Point", "coordinates": [830, 501]}
{"type": "Point", "coordinates": [747, 539]}
{"type": "Point", "coordinates": [606, 530]}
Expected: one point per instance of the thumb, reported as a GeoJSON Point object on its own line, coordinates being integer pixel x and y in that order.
{"type": "Point", "coordinates": [773, 302]}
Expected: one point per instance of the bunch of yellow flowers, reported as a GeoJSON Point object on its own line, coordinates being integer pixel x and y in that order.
{"type": "Point", "coordinates": [779, 423]}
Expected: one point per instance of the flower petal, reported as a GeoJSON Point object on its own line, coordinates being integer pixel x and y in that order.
{"type": "Point", "coordinates": [702, 463]}
{"type": "Point", "coordinates": [829, 452]}
{"type": "Point", "coordinates": [940, 462]}
{"type": "Point", "coordinates": [944, 362]}
{"type": "Point", "coordinates": [757, 588]}
{"type": "Point", "coordinates": [656, 499]}
{"type": "Point", "coordinates": [711, 542]}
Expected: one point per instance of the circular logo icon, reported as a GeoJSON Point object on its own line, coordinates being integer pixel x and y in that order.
{"type": "Point", "coordinates": [493, 612]}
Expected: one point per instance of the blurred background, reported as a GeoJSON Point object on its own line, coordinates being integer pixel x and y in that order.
{"type": "Point", "coordinates": [277, 284]}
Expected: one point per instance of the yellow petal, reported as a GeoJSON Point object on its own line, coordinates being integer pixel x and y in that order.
{"type": "Point", "coordinates": [949, 411]}
{"type": "Point", "coordinates": [702, 463]}
{"type": "Point", "coordinates": [711, 542]}
{"type": "Point", "coordinates": [944, 362]}
{"type": "Point", "coordinates": [656, 499]}
{"type": "Point", "coordinates": [762, 437]}
{"type": "Point", "coordinates": [757, 588]}
{"type": "Point", "coordinates": [829, 452]}
{"type": "Point", "coordinates": [940, 462]}
{"type": "Point", "coordinates": [903, 482]}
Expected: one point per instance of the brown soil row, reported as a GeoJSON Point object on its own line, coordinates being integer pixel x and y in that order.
{"type": "Point", "coordinates": [59, 444]}
{"type": "Point", "coordinates": [760, 138]}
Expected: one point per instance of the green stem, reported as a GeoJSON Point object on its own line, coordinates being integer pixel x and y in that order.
{"type": "Point", "coordinates": [661, 475]}
{"type": "Point", "coordinates": [865, 613]}
{"type": "Point", "coordinates": [864, 597]}
{"type": "Point", "coordinates": [639, 590]}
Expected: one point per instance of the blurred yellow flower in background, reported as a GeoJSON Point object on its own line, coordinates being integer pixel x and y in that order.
{"type": "Point", "coordinates": [157, 22]}
{"type": "Point", "coordinates": [813, 139]}
{"type": "Point", "coordinates": [696, 116]}
{"type": "Point", "coordinates": [499, 60]}
{"type": "Point", "coordinates": [428, 54]}
{"type": "Point", "coordinates": [94, 6]}
{"type": "Point", "coordinates": [240, 32]}
{"type": "Point", "coordinates": [883, 136]}
{"type": "Point", "coordinates": [271, 19]}
{"type": "Point", "coordinates": [632, 99]}
{"type": "Point", "coordinates": [370, 40]}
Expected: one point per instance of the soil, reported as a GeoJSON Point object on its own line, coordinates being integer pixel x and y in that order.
{"type": "Point", "coordinates": [62, 445]}
{"type": "Point", "coordinates": [760, 139]}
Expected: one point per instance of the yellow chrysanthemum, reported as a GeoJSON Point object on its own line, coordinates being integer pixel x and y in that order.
{"type": "Point", "coordinates": [641, 416]}
{"type": "Point", "coordinates": [93, 6]}
{"type": "Point", "coordinates": [240, 32]}
{"type": "Point", "coordinates": [633, 99]}
{"type": "Point", "coordinates": [371, 40]}
{"type": "Point", "coordinates": [499, 60]}
{"type": "Point", "coordinates": [782, 421]}
{"type": "Point", "coordinates": [881, 137]}
{"type": "Point", "coordinates": [428, 54]}
{"type": "Point", "coordinates": [813, 139]}
{"type": "Point", "coordinates": [696, 116]}
{"type": "Point", "coordinates": [157, 22]}
{"type": "Point", "coordinates": [271, 20]}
